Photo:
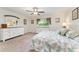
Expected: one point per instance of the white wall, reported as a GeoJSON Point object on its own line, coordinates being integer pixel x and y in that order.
{"type": "Point", "coordinates": [56, 26]}
{"type": "Point", "coordinates": [65, 16]}
{"type": "Point", "coordinates": [5, 12]}
{"type": "Point", "coordinates": [72, 24]}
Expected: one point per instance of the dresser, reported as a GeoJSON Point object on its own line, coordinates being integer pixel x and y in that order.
{"type": "Point", "coordinates": [7, 33]}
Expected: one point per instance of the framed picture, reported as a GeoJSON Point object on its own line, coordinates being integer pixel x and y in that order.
{"type": "Point", "coordinates": [25, 21]}
{"type": "Point", "coordinates": [78, 12]}
{"type": "Point", "coordinates": [32, 21]}
{"type": "Point", "coordinates": [16, 22]}
{"type": "Point", "coordinates": [49, 20]}
{"type": "Point", "coordinates": [38, 21]}
{"type": "Point", "coordinates": [75, 14]}
{"type": "Point", "coordinates": [57, 20]}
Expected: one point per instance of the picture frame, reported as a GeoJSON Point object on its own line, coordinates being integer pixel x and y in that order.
{"type": "Point", "coordinates": [75, 14]}
{"type": "Point", "coordinates": [78, 12]}
{"type": "Point", "coordinates": [57, 20]}
{"type": "Point", "coordinates": [38, 21]}
{"type": "Point", "coordinates": [49, 20]}
{"type": "Point", "coordinates": [16, 22]}
{"type": "Point", "coordinates": [32, 21]}
{"type": "Point", "coordinates": [25, 21]}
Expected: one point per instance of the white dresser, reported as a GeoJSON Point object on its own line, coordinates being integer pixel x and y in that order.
{"type": "Point", "coordinates": [6, 33]}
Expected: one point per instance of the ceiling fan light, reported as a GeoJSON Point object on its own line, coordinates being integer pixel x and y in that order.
{"type": "Point", "coordinates": [35, 10]}
{"type": "Point", "coordinates": [35, 13]}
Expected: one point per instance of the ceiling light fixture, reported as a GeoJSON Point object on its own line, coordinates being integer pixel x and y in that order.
{"type": "Point", "coordinates": [35, 11]}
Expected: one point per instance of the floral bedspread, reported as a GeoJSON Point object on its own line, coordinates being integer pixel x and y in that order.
{"type": "Point", "coordinates": [52, 42]}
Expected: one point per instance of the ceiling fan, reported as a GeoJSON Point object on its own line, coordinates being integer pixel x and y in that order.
{"type": "Point", "coordinates": [35, 11]}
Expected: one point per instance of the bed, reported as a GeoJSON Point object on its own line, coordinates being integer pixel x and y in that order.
{"type": "Point", "coordinates": [52, 41]}
{"type": "Point", "coordinates": [49, 41]}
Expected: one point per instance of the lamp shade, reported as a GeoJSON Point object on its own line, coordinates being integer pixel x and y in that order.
{"type": "Point", "coordinates": [64, 25]}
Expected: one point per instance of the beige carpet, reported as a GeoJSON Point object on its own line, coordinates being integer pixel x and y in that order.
{"type": "Point", "coordinates": [18, 44]}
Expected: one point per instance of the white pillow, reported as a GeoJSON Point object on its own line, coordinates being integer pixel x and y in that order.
{"type": "Point", "coordinates": [63, 32]}
{"type": "Point", "coordinates": [72, 34]}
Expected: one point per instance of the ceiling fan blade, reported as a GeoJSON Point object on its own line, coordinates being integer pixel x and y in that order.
{"type": "Point", "coordinates": [41, 12]}
{"type": "Point", "coordinates": [38, 14]}
{"type": "Point", "coordinates": [29, 11]}
{"type": "Point", "coordinates": [34, 14]}
{"type": "Point", "coordinates": [31, 14]}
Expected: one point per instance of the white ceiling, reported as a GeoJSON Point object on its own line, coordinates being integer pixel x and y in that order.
{"type": "Point", "coordinates": [48, 10]}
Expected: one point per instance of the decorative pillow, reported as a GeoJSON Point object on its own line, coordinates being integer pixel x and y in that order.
{"type": "Point", "coordinates": [72, 34]}
{"type": "Point", "coordinates": [63, 32]}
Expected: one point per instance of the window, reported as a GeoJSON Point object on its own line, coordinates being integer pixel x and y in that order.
{"type": "Point", "coordinates": [44, 22]}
